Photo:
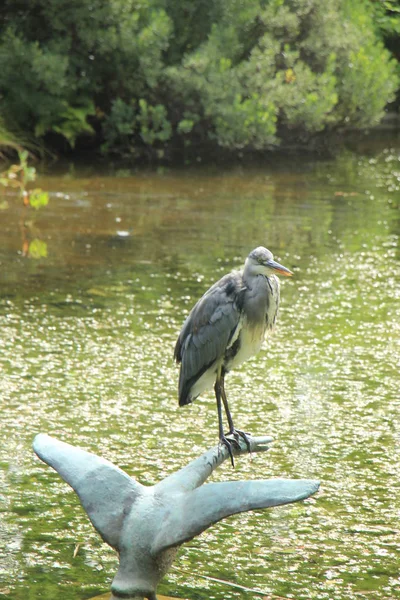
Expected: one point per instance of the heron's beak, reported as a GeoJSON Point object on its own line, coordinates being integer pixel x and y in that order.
{"type": "Point", "coordinates": [272, 264]}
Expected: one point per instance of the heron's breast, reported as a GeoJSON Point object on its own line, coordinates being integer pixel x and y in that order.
{"type": "Point", "coordinates": [248, 344]}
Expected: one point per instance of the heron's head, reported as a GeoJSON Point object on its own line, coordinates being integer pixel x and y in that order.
{"type": "Point", "coordinates": [260, 261]}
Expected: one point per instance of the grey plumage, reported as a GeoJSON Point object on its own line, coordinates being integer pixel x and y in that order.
{"type": "Point", "coordinates": [226, 327]}
{"type": "Point", "coordinates": [208, 331]}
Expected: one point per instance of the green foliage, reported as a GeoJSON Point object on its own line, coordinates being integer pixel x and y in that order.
{"type": "Point", "coordinates": [246, 122]}
{"type": "Point", "coordinates": [38, 198]}
{"type": "Point", "coordinates": [70, 123]}
{"type": "Point", "coordinates": [368, 78]}
{"type": "Point", "coordinates": [37, 249]}
{"type": "Point", "coordinates": [27, 173]}
{"type": "Point", "coordinates": [125, 121]}
{"type": "Point", "coordinates": [243, 74]}
{"type": "Point", "coordinates": [314, 65]}
{"type": "Point", "coordinates": [154, 124]}
{"type": "Point", "coordinates": [119, 127]}
{"type": "Point", "coordinates": [19, 176]}
{"type": "Point", "coordinates": [308, 97]}
{"type": "Point", "coordinates": [8, 140]}
{"type": "Point", "coordinates": [387, 17]}
{"type": "Point", "coordinates": [32, 81]}
{"type": "Point", "coordinates": [185, 125]}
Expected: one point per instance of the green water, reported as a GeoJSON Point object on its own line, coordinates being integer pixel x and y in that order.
{"type": "Point", "coordinates": [86, 344]}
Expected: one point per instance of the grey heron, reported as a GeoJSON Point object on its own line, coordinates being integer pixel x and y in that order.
{"type": "Point", "coordinates": [225, 328]}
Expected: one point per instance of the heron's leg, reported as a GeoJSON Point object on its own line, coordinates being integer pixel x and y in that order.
{"type": "Point", "coordinates": [222, 438]}
{"type": "Point", "coordinates": [226, 406]}
{"type": "Point", "coordinates": [232, 430]}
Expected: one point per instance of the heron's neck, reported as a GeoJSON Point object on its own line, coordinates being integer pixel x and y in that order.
{"type": "Point", "coordinates": [251, 271]}
{"type": "Point", "coordinates": [253, 279]}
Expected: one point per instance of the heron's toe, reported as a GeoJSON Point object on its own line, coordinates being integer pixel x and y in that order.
{"type": "Point", "coordinates": [228, 443]}
{"type": "Point", "coordinates": [237, 434]}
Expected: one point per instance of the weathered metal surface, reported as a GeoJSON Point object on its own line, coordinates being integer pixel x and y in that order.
{"type": "Point", "coordinates": [146, 525]}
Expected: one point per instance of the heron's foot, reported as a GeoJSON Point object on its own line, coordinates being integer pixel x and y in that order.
{"type": "Point", "coordinates": [237, 433]}
{"type": "Point", "coordinates": [228, 444]}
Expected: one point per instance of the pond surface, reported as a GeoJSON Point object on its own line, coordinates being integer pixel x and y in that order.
{"type": "Point", "coordinates": [86, 354]}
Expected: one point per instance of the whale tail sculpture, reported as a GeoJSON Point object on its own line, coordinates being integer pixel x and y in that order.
{"type": "Point", "coordinates": [146, 525]}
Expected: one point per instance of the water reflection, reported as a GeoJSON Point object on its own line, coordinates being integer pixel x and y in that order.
{"type": "Point", "coordinates": [87, 337]}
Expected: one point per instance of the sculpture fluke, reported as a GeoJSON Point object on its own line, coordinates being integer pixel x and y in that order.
{"type": "Point", "coordinates": [147, 524]}
{"type": "Point", "coordinates": [105, 491]}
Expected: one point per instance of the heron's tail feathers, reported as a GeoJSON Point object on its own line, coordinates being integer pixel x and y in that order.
{"type": "Point", "coordinates": [185, 396]}
{"type": "Point", "coordinates": [192, 385]}
{"type": "Point", "coordinates": [185, 399]}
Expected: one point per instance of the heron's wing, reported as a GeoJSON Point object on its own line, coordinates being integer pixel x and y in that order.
{"type": "Point", "coordinates": [211, 326]}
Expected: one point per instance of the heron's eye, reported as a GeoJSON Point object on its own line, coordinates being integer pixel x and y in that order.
{"type": "Point", "coordinates": [260, 261]}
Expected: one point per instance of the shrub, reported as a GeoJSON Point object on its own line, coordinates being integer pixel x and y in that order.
{"type": "Point", "coordinates": [240, 74]}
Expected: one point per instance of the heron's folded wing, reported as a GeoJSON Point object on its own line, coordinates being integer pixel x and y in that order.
{"type": "Point", "coordinates": [210, 327]}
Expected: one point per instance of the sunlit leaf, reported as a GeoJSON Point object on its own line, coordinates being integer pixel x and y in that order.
{"type": "Point", "coordinates": [3, 204]}
{"type": "Point", "coordinates": [38, 198]}
{"type": "Point", "coordinates": [30, 173]}
{"type": "Point", "coordinates": [290, 76]}
{"type": "Point", "coordinates": [37, 249]}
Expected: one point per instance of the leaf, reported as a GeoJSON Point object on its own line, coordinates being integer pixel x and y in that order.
{"type": "Point", "coordinates": [23, 156]}
{"type": "Point", "coordinates": [290, 76]}
{"type": "Point", "coordinates": [73, 121]}
{"type": "Point", "coordinates": [29, 173]}
{"type": "Point", "coordinates": [37, 249]}
{"type": "Point", "coordinates": [38, 198]}
{"type": "Point", "coordinates": [185, 126]}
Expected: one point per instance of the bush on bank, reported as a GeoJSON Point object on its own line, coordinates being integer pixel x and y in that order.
{"type": "Point", "coordinates": [133, 78]}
